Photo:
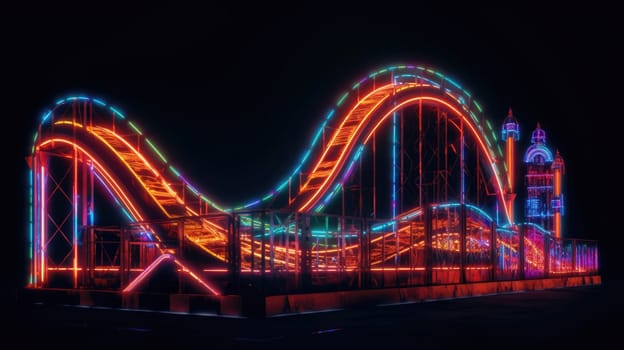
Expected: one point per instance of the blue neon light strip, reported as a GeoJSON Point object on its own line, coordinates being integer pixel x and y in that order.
{"type": "Point", "coordinates": [30, 223]}
{"type": "Point", "coordinates": [381, 226]}
{"type": "Point", "coordinates": [117, 112]}
{"type": "Point", "coordinates": [100, 102]}
{"type": "Point", "coordinates": [45, 117]}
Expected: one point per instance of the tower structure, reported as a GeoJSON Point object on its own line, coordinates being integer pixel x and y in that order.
{"type": "Point", "coordinates": [511, 134]}
{"type": "Point", "coordinates": [543, 179]}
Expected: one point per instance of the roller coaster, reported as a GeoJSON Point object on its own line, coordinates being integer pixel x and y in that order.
{"type": "Point", "coordinates": [404, 183]}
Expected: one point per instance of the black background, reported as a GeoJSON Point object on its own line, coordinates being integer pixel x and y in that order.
{"type": "Point", "coordinates": [232, 92]}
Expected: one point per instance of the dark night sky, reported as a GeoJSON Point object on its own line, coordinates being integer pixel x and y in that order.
{"type": "Point", "coordinates": [232, 92]}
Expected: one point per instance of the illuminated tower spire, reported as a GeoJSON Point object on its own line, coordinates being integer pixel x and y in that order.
{"type": "Point", "coordinates": [540, 198]}
{"type": "Point", "coordinates": [511, 134]}
{"type": "Point", "coordinates": [558, 169]}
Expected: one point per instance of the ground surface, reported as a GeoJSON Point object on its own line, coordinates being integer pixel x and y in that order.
{"type": "Point", "coordinates": [572, 318]}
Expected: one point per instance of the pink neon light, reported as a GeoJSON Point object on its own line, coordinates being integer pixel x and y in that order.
{"type": "Point", "coordinates": [137, 281]}
{"type": "Point", "coordinates": [43, 231]}
{"type": "Point", "coordinates": [152, 267]}
{"type": "Point", "coordinates": [75, 222]}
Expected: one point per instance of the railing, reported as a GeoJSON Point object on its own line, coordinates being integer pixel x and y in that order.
{"type": "Point", "coordinates": [277, 252]}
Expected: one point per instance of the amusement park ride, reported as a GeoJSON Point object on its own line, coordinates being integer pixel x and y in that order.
{"type": "Point", "coordinates": [406, 192]}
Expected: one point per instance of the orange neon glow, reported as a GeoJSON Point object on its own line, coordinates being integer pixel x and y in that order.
{"type": "Point", "coordinates": [110, 180]}
{"type": "Point", "coordinates": [510, 158]}
{"type": "Point", "coordinates": [349, 145]}
{"type": "Point", "coordinates": [126, 163]}
{"type": "Point", "coordinates": [68, 122]}
{"type": "Point", "coordinates": [510, 162]}
{"type": "Point", "coordinates": [218, 230]}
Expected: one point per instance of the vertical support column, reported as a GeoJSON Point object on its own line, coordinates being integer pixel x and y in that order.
{"type": "Point", "coordinates": [399, 204]}
{"type": "Point", "coordinates": [85, 199]}
{"type": "Point", "coordinates": [180, 253]}
{"type": "Point", "coordinates": [361, 187]}
{"type": "Point", "coordinates": [43, 195]}
{"type": "Point", "coordinates": [271, 242]}
{"type": "Point", "coordinates": [364, 241]}
{"type": "Point", "coordinates": [340, 253]}
{"type": "Point", "coordinates": [180, 238]}
{"type": "Point", "coordinates": [383, 259]}
{"type": "Point", "coordinates": [574, 256]}
{"type": "Point", "coordinates": [427, 215]}
{"type": "Point", "coordinates": [91, 224]}
{"type": "Point", "coordinates": [297, 250]}
{"type": "Point", "coordinates": [252, 232]}
{"type": "Point", "coordinates": [343, 247]}
{"type": "Point", "coordinates": [75, 215]}
{"type": "Point", "coordinates": [521, 257]}
{"type": "Point", "coordinates": [395, 179]}
{"type": "Point", "coordinates": [89, 240]}
{"type": "Point", "coordinates": [547, 240]}
{"type": "Point", "coordinates": [374, 176]}
{"type": "Point", "coordinates": [410, 277]}
{"type": "Point", "coordinates": [366, 225]}
{"type": "Point", "coordinates": [361, 268]}
{"type": "Point", "coordinates": [234, 258]}
{"type": "Point", "coordinates": [262, 252]}
{"type": "Point", "coordinates": [31, 227]}
{"type": "Point", "coordinates": [36, 221]}
{"type": "Point", "coordinates": [595, 266]}
{"type": "Point", "coordinates": [420, 153]}
{"type": "Point", "coordinates": [124, 258]}
{"type": "Point", "coordinates": [306, 252]}
{"type": "Point", "coordinates": [462, 243]}
{"type": "Point", "coordinates": [342, 213]}
{"type": "Point", "coordinates": [401, 162]}
{"type": "Point", "coordinates": [493, 252]}
{"type": "Point", "coordinates": [462, 162]}
{"type": "Point", "coordinates": [286, 226]}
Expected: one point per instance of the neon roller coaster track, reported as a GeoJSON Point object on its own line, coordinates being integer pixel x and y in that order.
{"type": "Point", "coordinates": [404, 183]}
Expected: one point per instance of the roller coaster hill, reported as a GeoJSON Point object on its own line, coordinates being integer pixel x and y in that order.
{"type": "Point", "coordinates": [406, 192]}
